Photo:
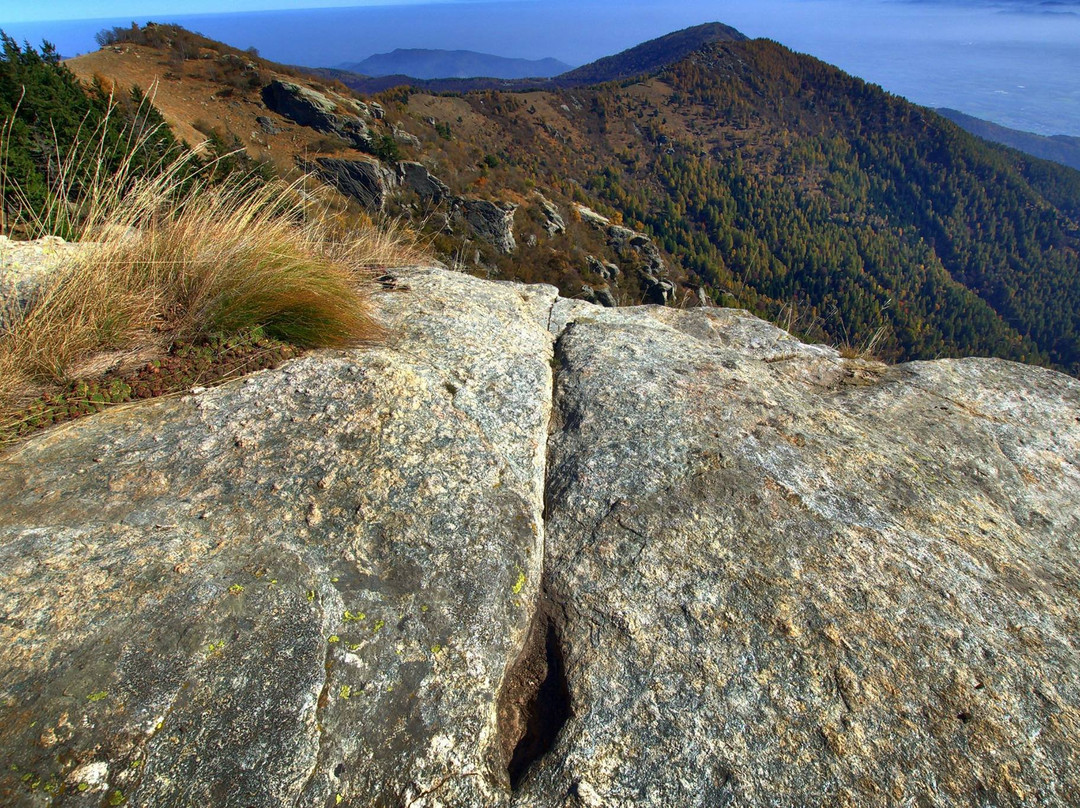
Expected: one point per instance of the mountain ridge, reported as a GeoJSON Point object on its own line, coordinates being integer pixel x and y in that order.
{"type": "Point", "coordinates": [1063, 149]}
{"type": "Point", "coordinates": [640, 59]}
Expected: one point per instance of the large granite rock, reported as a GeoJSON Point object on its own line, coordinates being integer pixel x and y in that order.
{"type": "Point", "coordinates": [491, 221]}
{"type": "Point", "coordinates": [755, 573]}
{"type": "Point", "coordinates": [366, 181]}
{"type": "Point", "coordinates": [306, 584]}
{"type": "Point", "coordinates": [311, 108]}
{"type": "Point", "coordinates": [783, 578]}
{"type": "Point", "coordinates": [416, 178]}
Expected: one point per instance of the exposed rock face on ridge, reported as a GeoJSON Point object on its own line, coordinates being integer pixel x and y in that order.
{"type": "Point", "coordinates": [367, 181]}
{"type": "Point", "coordinates": [755, 573]}
{"type": "Point", "coordinates": [657, 288]}
{"type": "Point", "coordinates": [417, 178]}
{"type": "Point", "coordinates": [491, 221]}
{"type": "Point", "coordinates": [311, 108]}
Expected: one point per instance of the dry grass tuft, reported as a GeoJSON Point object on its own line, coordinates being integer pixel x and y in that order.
{"type": "Point", "coordinates": [170, 257]}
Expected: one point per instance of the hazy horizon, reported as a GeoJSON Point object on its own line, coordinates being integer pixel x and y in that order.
{"type": "Point", "coordinates": [1014, 62]}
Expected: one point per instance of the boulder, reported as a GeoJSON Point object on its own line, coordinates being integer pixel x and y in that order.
{"type": "Point", "coordinates": [366, 181]}
{"type": "Point", "coordinates": [659, 291]}
{"type": "Point", "coordinates": [23, 266]}
{"type": "Point", "coordinates": [267, 125]}
{"type": "Point", "coordinates": [311, 108]}
{"type": "Point", "coordinates": [600, 295]}
{"type": "Point", "coordinates": [553, 220]}
{"type": "Point", "coordinates": [491, 221]}
{"type": "Point", "coordinates": [405, 138]}
{"type": "Point", "coordinates": [416, 178]}
{"type": "Point", "coordinates": [376, 109]}
{"type": "Point", "coordinates": [536, 552]}
{"type": "Point", "coordinates": [300, 104]}
{"type": "Point", "coordinates": [305, 584]}
{"type": "Point", "coordinates": [605, 269]}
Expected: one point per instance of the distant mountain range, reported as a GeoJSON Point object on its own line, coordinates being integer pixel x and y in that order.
{"type": "Point", "coordinates": [1062, 149]}
{"type": "Point", "coordinates": [423, 63]}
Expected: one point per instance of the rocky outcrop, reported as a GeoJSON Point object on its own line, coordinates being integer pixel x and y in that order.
{"type": "Point", "coordinates": [553, 223]}
{"type": "Point", "coordinates": [491, 221]}
{"type": "Point", "coordinates": [600, 295]}
{"type": "Point", "coordinates": [311, 108]}
{"type": "Point", "coordinates": [651, 270]}
{"type": "Point", "coordinates": [753, 573]}
{"type": "Point", "coordinates": [605, 269]}
{"type": "Point", "coordinates": [405, 138]}
{"type": "Point", "coordinates": [366, 181]}
{"type": "Point", "coordinates": [416, 178]}
{"type": "Point", "coordinates": [267, 125]}
{"type": "Point", "coordinates": [306, 584]}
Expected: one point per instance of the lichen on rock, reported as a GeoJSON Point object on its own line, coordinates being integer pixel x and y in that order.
{"type": "Point", "coordinates": [535, 552]}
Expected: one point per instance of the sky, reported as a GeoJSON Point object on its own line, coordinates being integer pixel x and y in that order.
{"type": "Point", "coordinates": [1015, 62]}
{"type": "Point", "coordinates": [29, 11]}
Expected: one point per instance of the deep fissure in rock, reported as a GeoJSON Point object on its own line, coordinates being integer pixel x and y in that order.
{"type": "Point", "coordinates": [535, 701]}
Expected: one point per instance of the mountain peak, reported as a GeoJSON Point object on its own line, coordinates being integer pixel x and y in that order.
{"type": "Point", "coordinates": [653, 55]}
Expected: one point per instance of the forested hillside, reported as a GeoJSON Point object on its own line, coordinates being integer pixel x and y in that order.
{"type": "Point", "coordinates": [791, 188]}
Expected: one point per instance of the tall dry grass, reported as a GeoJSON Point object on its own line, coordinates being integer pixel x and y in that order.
{"type": "Point", "coordinates": [170, 256]}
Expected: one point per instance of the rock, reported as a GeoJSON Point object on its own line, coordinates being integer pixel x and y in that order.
{"type": "Point", "coordinates": [605, 269]}
{"type": "Point", "coordinates": [553, 220]}
{"type": "Point", "coordinates": [23, 266]}
{"type": "Point", "coordinates": [405, 138]}
{"type": "Point", "coordinates": [301, 585]}
{"type": "Point", "coordinates": [600, 295]}
{"type": "Point", "coordinates": [784, 578]}
{"type": "Point", "coordinates": [754, 573]}
{"type": "Point", "coordinates": [366, 181]}
{"type": "Point", "coordinates": [303, 105]}
{"type": "Point", "coordinates": [590, 216]}
{"type": "Point", "coordinates": [658, 291]}
{"type": "Point", "coordinates": [416, 178]}
{"type": "Point", "coordinates": [531, 240]}
{"type": "Point", "coordinates": [491, 221]}
{"type": "Point", "coordinates": [267, 125]}
{"type": "Point", "coordinates": [310, 108]}
{"type": "Point", "coordinates": [626, 241]}
{"type": "Point", "coordinates": [377, 111]}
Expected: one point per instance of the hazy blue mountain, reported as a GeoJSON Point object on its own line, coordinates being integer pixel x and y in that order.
{"type": "Point", "coordinates": [423, 63]}
{"type": "Point", "coordinates": [1063, 149]}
